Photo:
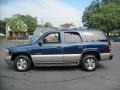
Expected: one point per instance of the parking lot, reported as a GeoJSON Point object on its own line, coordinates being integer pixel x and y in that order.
{"type": "Point", "coordinates": [105, 77]}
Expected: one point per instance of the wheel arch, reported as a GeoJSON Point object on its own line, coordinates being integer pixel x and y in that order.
{"type": "Point", "coordinates": [95, 53]}
{"type": "Point", "coordinates": [21, 53]}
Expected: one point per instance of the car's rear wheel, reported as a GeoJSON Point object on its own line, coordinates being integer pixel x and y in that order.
{"type": "Point", "coordinates": [22, 63]}
{"type": "Point", "coordinates": [89, 62]}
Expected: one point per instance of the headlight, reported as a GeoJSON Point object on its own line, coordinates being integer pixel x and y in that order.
{"type": "Point", "coordinates": [7, 51]}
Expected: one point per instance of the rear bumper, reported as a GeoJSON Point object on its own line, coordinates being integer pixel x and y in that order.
{"type": "Point", "coordinates": [106, 56]}
{"type": "Point", "coordinates": [8, 60]}
{"type": "Point", "coordinates": [111, 57]}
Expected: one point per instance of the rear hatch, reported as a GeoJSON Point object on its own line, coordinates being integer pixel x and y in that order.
{"type": "Point", "coordinates": [96, 36]}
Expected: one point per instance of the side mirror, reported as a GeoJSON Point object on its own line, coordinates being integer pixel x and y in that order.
{"type": "Point", "coordinates": [40, 43]}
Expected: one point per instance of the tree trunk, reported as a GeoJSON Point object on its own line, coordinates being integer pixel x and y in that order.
{"type": "Point", "coordinates": [108, 35]}
{"type": "Point", "coordinates": [13, 35]}
{"type": "Point", "coordinates": [119, 33]}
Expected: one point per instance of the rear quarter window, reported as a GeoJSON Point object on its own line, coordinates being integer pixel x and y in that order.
{"type": "Point", "coordinates": [95, 36]}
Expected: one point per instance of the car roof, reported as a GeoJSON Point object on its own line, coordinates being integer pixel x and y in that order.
{"type": "Point", "coordinates": [76, 30]}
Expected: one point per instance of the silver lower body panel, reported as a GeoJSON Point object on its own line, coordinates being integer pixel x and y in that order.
{"type": "Point", "coordinates": [105, 56]}
{"type": "Point", "coordinates": [56, 60]}
{"type": "Point", "coordinates": [8, 60]}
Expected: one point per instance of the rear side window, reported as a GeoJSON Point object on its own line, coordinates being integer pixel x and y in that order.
{"type": "Point", "coordinates": [95, 36]}
{"type": "Point", "coordinates": [72, 37]}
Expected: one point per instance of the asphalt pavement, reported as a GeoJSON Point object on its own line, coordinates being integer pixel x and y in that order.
{"type": "Point", "coordinates": [105, 77]}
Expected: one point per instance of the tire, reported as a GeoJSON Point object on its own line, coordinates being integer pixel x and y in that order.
{"type": "Point", "coordinates": [89, 63]}
{"type": "Point", "coordinates": [22, 63]}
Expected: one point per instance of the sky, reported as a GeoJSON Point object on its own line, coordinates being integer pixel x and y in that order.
{"type": "Point", "coordinates": [56, 12]}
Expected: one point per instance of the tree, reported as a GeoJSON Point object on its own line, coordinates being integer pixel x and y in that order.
{"type": "Point", "coordinates": [17, 25]}
{"type": "Point", "coordinates": [109, 1]}
{"type": "Point", "coordinates": [104, 16]}
{"type": "Point", "coordinates": [30, 21]}
{"type": "Point", "coordinates": [2, 26]}
{"type": "Point", "coordinates": [47, 24]}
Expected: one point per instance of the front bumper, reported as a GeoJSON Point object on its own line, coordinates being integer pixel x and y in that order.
{"type": "Point", "coordinates": [8, 60]}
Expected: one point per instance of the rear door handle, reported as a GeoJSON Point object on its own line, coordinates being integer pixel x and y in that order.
{"type": "Point", "coordinates": [80, 46]}
{"type": "Point", "coordinates": [59, 46]}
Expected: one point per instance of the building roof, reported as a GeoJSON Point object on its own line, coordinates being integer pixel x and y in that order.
{"type": "Point", "coordinates": [67, 25]}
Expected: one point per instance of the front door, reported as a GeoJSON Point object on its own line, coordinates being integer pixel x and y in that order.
{"type": "Point", "coordinates": [51, 49]}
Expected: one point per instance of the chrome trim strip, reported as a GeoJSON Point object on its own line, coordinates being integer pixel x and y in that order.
{"type": "Point", "coordinates": [105, 56]}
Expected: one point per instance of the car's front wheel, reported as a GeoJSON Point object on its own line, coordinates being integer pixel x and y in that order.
{"type": "Point", "coordinates": [89, 62]}
{"type": "Point", "coordinates": [22, 63]}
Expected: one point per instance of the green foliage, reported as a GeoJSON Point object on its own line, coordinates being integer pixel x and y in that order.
{"type": "Point", "coordinates": [2, 26]}
{"type": "Point", "coordinates": [30, 21]}
{"type": "Point", "coordinates": [104, 16]}
{"type": "Point", "coordinates": [109, 1]}
{"type": "Point", "coordinates": [47, 24]}
{"type": "Point", "coordinates": [17, 25]}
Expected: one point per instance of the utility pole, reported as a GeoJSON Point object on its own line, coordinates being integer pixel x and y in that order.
{"type": "Point", "coordinates": [42, 24]}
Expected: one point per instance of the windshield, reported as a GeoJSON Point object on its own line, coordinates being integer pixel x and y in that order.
{"type": "Point", "coordinates": [34, 39]}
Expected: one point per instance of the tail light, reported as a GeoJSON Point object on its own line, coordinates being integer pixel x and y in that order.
{"type": "Point", "coordinates": [110, 49]}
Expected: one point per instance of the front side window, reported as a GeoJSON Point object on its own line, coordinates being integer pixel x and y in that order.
{"type": "Point", "coordinates": [72, 37]}
{"type": "Point", "coordinates": [52, 38]}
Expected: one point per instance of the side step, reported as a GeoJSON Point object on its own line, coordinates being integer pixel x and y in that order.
{"type": "Point", "coordinates": [56, 64]}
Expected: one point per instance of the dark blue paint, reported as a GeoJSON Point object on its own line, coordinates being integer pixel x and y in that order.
{"type": "Point", "coordinates": [48, 49]}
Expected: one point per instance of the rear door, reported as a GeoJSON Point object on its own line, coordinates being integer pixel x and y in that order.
{"type": "Point", "coordinates": [72, 47]}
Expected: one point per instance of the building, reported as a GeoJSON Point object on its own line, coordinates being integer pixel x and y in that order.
{"type": "Point", "coordinates": [15, 35]}
{"type": "Point", "coordinates": [7, 30]}
{"type": "Point", "coordinates": [67, 26]}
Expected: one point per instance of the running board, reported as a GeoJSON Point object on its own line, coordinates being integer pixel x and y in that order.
{"type": "Point", "coordinates": [56, 64]}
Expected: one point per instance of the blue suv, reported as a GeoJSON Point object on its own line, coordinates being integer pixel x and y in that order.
{"type": "Point", "coordinates": [62, 48]}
